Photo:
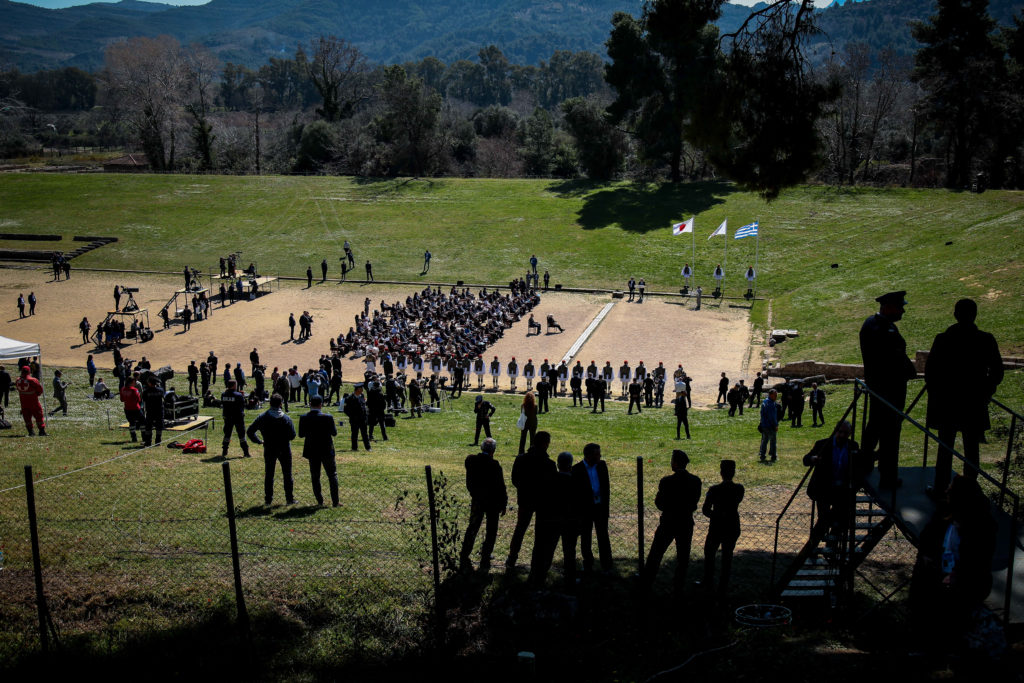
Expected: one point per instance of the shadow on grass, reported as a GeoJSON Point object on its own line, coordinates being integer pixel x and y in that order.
{"type": "Point", "coordinates": [641, 208]}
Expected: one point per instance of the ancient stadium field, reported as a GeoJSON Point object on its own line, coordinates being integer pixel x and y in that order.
{"type": "Point", "coordinates": [135, 546]}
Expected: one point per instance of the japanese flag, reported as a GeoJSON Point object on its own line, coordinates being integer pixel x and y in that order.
{"type": "Point", "coordinates": [685, 226]}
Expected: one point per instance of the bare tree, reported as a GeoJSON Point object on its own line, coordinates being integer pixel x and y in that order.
{"type": "Point", "coordinates": [144, 76]}
{"type": "Point", "coordinates": [338, 72]}
{"type": "Point", "coordinates": [254, 100]}
{"type": "Point", "coordinates": [201, 70]}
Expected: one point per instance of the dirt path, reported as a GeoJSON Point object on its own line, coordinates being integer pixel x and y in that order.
{"type": "Point", "coordinates": [706, 342]}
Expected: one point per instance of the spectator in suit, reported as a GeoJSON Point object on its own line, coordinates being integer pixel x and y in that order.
{"type": "Point", "coordinates": [486, 484]}
{"type": "Point", "coordinates": [721, 507]}
{"type": "Point", "coordinates": [355, 411]}
{"type": "Point", "coordinates": [530, 474]}
{"type": "Point", "coordinates": [677, 498]}
{"type": "Point", "coordinates": [557, 521]}
{"type": "Point", "coordinates": [318, 429]}
{"type": "Point", "coordinates": [591, 488]}
{"type": "Point", "coordinates": [277, 432]}
{"type": "Point", "coordinates": [816, 400]}
{"type": "Point", "coordinates": [837, 472]}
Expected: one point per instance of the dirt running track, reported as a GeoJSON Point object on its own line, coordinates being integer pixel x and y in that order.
{"type": "Point", "coordinates": [705, 342]}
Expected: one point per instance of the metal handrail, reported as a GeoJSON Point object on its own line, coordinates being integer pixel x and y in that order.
{"type": "Point", "coordinates": [1004, 491]}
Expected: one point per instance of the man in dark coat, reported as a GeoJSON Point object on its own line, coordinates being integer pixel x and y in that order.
{"type": "Point", "coordinates": [723, 389]}
{"type": "Point", "coordinates": [968, 358]}
{"type": "Point", "coordinates": [557, 520]}
{"type": "Point", "coordinates": [355, 410]}
{"type": "Point", "coordinates": [484, 410]}
{"type": "Point", "coordinates": [634, 397]}
{"type": "Point", "coordinates": [275, 431]}
{"type": "Point", "coordinates": [592, 490]}
{"type": "Point", "coordinates": [486, 483]}
{"type": "Point", "coordinates": [816, 400]}
{"type": "Point", "coordinates": [318, 429]}
{"type": "Point", "coordinates": [838, 470]}
{"type": "Point", "coordinates": [721, 507]}
{"type": "Point", "coordinates": [677, 498]}
{"type": "Point", "coordinates": [600, 389]}
{"type": "Point", "coordinates": [232, 404]}
{"type": "Point", "coordinates": [887, 369]}
{"type": "Point", "coordinates": [755, 394]}
{"type": "Point", "coordinates": [376, 408]}
{"type": "Point", "coordinates": [530, 473]}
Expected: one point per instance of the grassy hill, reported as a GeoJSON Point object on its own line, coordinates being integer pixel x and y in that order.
{"type": "Point", "coordinates": [586, 234]}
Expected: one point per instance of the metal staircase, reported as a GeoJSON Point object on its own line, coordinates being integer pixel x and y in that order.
{"type": "Point", "coordinates": [826, 566]}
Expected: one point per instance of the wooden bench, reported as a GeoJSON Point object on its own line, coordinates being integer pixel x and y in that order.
{"type": "Point", "coordinates": [203, 422]}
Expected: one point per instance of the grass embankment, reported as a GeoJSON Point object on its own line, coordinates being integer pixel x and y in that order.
{"type": "Point", "coordinates": [586, 234]}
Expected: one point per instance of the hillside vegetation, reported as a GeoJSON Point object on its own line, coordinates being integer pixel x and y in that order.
{"type": "Point", "coordinates": [585, 234]}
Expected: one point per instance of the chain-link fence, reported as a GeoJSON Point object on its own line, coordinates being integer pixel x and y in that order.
{"type": "Point", "coordinates": [144, 542]}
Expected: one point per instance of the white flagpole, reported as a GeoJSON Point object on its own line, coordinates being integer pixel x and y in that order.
{"type": "Point", "coordinates": [693, 251]}
{"type": "Point", "coordinates": [725, 258]}
{"type": "Point", "coordinates": [757, 244]}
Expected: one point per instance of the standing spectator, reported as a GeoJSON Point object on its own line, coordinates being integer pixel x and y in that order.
{"type": "Point", "coordinates": [132, 400]}
{"type": "Point", "coordinates": [796, 405]}
{"type": "Point", "coordinates": [531, 472]}
{"type": "Point", "coordinates": [117, 298]}
{"type": "Point", "coordinates": [319, 430]}
{"type": "Point", "coordinates": [533, 264]}
{"type": "Point", "coordinates": [700, 294]}
{"type": "Point", "coordinates": [735, 400]}
{"type": "Point", "coordinates": [204, 377]}
{"type": "Point", "coordinates": [723, 388]}
{"type": "Point", "coordinates": [84, 328]}
{"type": "Point", "coordinates": [769, 426]}
{"type": "Point", "coordinates": [631, 285]}
{"type": "Point", "coordinates": [291, 327]}
{"type": "Point", "coordinates": [755, 395]}
{"type": "Point", "coordinates": [886, 372]}
{"type": "Point", "coordinates": [31, 303]}
{"type": "Point", "coordinates": [254, 359]}
{"type": "Point", "coordinates": [965, 352]}
{"type": "Point", "coordinates": [309, 277]}
{"type": "Point", "coordinates": [29, 392]}
{"type": "Point", "coordinates": [529, 412]}
{"type": "Point", "coordinates": [426, 262]}
{"type": "Point", "coordinates": [21, 306]}
{"type": "Point", "coordinates": [275, 431]}
{"type": "Point", "coordinates": [193, 378]}
{"type": "Point", "coordinates": [323, 271]}
{"type": "Point", "coordinates": [355, 410]}
{"type": "Point", "coordinates": [153, 402]}
{"type": "Point", "coordinates": [415, 397]}
{"type": "Point", "coordinates": [838, 470]}
{"type": "Point", "coordinates": [634, 396]}
{"type": "Point", "coordinates": [5, 386]}
{"type": "Point", "coordinates": [557, 520]}
{"type": "Point", "coordinates": [369, 271]}
{"type": "Point", "coordinates": [489, 498]}
{"type": "Point", "coordinates": [721, 507]}
{"type": "Point", "coordinates": [60, 388]}
{"type": "Point", "coordinates": [483, 410]}
{"type": "Point", "coordinates": [186, 319]}
{"type": "Point", "coordinates": [681, 415]}
{"type": "Point", "coordinates": [677, 498]}
{"type": "Point", "coordinates": [816, 400]}
{"type": "Point", "coordinates": [547, 279]}
{"type": "Point", "coordinates": [592, 491]}
{"type": "Point", "coordinates": [376, 407]}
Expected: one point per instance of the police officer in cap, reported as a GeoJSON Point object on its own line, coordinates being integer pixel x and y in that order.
{"type": "Point", "coordinates": [886, 372]}
{"type": "Point", "coordinates": [232, 404]}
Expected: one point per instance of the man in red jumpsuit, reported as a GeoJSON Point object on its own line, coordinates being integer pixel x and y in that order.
{"type": "Point", "coordinates": [29, 391]}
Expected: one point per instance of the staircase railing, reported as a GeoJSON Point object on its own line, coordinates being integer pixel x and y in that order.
{"type": "Point", "coordinates": [861, 390]}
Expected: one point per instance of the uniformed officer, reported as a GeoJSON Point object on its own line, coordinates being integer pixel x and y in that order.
{"type": "Point", "coordinates": [575, 384]}
{"type": "Point", "coordinates": [495, 372]}
{"type": "Point", "coordinates": [529, 372]}
{"type": "Point", "coordinates": [719, 276]}
{"type": "Point", "coordinates": [608, 373]}
{"type": "Point", "coordinates": [483, 410]}
{"type": "Point", "coordinates": [543, 391]}
{"type": "Point", "coordinates": [751, 275]}
{"type": "Point", "coordinates": [687, 273]}
{"type": "Point", "coordinates": [625, 372]}
{"type": "Point", "coordinates": [600, 388]}
{"type": "Point", "coordinates": [512, 369]}
{"type": "Point", "coordinates": [563, 375]}
{"type": "Point", "coordinates": [478, 368]}
{"type": "Point", "coordinates": [886, 372]}
{"type": "Point", "coordinates": [635, 388]}
{"type": "Point", "coordinates": [232, 404]}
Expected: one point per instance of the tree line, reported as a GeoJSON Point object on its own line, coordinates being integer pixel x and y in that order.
{"type": "Point", "coordinates": [676, 99]}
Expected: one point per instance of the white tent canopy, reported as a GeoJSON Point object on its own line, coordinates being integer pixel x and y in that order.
{"type": "Point", "coordinates": [12, 349]}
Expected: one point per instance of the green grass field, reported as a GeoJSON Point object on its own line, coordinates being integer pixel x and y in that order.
{"type": "Point", "coordinates": [586, 234]}
{"type": "Point", "coordinates": [136, 551]}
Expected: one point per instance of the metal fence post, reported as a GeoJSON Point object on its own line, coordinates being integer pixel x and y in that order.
{"type": "Point", "coordinates": [37, 566]}
{"type": "Point", "coordinates": [640, 514]}
{"type": "Point", "coordinates": [243, 613]}
{"type": "Point", "coordinates": [433, 544]}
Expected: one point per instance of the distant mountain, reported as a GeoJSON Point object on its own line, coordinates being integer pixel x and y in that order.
{"type": "Point", "coordinates": [387, 31]}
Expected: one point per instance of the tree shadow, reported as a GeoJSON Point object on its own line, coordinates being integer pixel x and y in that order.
{"type": "Point", "coordinates": [638, 207]}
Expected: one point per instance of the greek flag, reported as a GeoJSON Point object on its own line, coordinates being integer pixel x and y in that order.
{"type": "Point", "coordinates": [749, 230]}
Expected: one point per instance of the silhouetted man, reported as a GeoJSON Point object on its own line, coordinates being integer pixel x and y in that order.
{"type": "Point", "coordinates": [530, 473]}
{"type": "Point", "coordinates": [677, 498]}
{"type": "Point", "coordinates": [591, 488]}
{"type": "Point", "coordinates": [485, 481]}
{"type": "Point", "coordinates": [838, 470]}
{"type": "Point", "coordinates": [721, 507]}
{"type": "Point", "coordinates": [557, 520]}
{"type": "Point", "coordinates": [886, 372]}
{"type": "Point", "coordinates": [484, 410]}
{"type": "Point", "coordinates": [967, 358]}
{"type": "Point", "coordinates": [816, 400]}
{"type": "Point", "coordinates": [355, 410]}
